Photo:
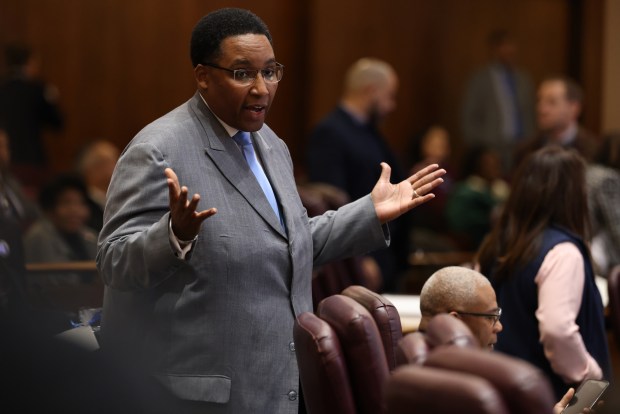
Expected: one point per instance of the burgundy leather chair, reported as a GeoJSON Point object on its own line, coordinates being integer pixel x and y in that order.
{"type": "Point", "coordinates": [613, 289]}
{"type": "Point", "coordinates": [442, 330]}
{"type": "Point", "coordinates": [322, 368]}
{"type": "Point", "coordinates": [419, 389]}
{"type": "Point", "coordinates": [363, 350]}
{"type": "Point", "coordinates": [385, 315]}
{"type": "Point", "coordinates": [523, 387]}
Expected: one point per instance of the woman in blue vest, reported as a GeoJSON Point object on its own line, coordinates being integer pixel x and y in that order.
{"type": "Point", "coordinates": [540, 267]}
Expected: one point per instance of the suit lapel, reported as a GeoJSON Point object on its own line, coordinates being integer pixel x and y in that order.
{"type": "Point", "coordinates": [225, 154]}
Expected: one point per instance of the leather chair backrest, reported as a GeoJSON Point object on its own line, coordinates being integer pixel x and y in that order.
{"type": "Point", "coordinates": [442, 330]}
{"type": "Point", "coordinates": [362, 348]}
{"type": "Point", "coordinates": [386, 317]}
{"type": "Point", "coordinates": [445, 329]}
{"type": "Point", "coordinates": [419, 389]}
{"type": "Point", "coordinates": [413, 349]}
{"type": "Point", "coordinates": [322, 367]}
{"type": "Point", "coordinates": [524, 388]}
{"type": "Point", "coordinates": [613, 289]}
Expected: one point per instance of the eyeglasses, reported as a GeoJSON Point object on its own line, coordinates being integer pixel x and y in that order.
{"type": "Point", "coordinates": [246, 77]}
{"type": "Point", "coordinates": [494, 317]}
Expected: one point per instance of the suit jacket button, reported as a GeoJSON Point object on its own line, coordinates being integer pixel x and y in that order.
{"type": "Point", "coordinates": [291, 346]}
{"type": "Point", "coordinates": [292, 395]}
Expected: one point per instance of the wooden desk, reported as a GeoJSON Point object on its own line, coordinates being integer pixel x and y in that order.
{"type": "Point", "coordinates": [64, 297]}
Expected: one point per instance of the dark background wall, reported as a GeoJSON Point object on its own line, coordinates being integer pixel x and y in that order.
{"type": "Point", "coordinates": [120, 64]}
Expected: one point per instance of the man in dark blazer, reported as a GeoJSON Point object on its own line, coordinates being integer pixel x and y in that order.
{"type": "Point", "coordinates": [346, 148]}
{"type": "Point", "coordinates": [207, 299]}
{"type": "Point", "coordinates": [559, 106]}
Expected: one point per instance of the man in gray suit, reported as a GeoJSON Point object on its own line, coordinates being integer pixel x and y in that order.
{"type": "Point", "coordinates": [207, 299]}
{"type": "Point", "coordinates": [497, 110]}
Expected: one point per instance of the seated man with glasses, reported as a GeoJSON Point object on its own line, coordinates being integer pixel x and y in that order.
{"type": "Point", "coordinates": [467, 295]}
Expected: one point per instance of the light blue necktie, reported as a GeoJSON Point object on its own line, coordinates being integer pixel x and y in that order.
{"type": "Point", "coordinates": [243, 139]}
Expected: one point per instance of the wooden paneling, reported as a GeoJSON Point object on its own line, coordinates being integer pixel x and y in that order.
{"type": "Point", "coordinates": [121, 64]}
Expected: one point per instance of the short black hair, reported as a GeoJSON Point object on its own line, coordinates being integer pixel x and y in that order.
{"type": "Point", "coordinates": [216, 26]}
{"type": "Point", "coordinates": [51, 191]}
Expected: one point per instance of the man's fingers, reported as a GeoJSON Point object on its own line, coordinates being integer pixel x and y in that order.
{"type": "Point", "coordinates": [193, 203]}
{"type": "Point", "coordinates": [205, 214]}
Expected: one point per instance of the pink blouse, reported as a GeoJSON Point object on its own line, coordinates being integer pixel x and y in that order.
{"type": "Point", "coordinates": [560, 282]}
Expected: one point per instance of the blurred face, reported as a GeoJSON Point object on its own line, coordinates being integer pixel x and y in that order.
{"type": "Point", "coordinates": [507, 52]}
{"type": "Point", "coordinates": [483, 327]}
{"type": "Point", "coordinates": [436, 145]}
{"type": "Point", "coordinates": [555, 112]}
{"type": "Point", "coordinates": [490, 166]}
{"type": "Point", "coordinates": [71, 212]}
{"type": "Point", "coordinates": [241, 106]}
{"type": "Point", "coordinates": [384, 98]}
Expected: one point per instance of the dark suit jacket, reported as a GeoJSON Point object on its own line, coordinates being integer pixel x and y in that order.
{"type": "Point", "coordinates": [345, 153]}
{"type": "Point", "coordinates": [217, 328]}
{"type": "Point", "coordinates": [586, 143]}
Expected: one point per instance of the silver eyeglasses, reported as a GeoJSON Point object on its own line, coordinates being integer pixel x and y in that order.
{"type": "Point", "coordinates": [494, 317]}
{"type": "Point", "coordinates": [246, 77]}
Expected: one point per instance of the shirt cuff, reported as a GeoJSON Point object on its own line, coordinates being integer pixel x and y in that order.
{"type": "Point", "coordinates": [180, 247]}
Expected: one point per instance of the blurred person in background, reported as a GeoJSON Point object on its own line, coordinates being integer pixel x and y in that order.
{"type": "Point", "coordinates": [603, 179]}
{"type": "Point", "coordinates": [62, 235]}
{"type": "Point", "coordinates": [497, 110]}
{"type": "Point", "coordinates": [14, 204]}
{"type": "Point", "coordinates": [95, 164]}
{"type": "Point", "coordinates": [28, 106]}
{"type": "Point", "coordinates": [429, 230]}
{"type": "Point", "coordinates": [476, 199]}
{"type": "Point", "coordinates": [558, 108]}
{"type": "Point", "coordinates": [346, 148]}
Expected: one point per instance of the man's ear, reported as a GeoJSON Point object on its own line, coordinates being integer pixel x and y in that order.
{"type": "Point", "coordinates": [455, 314]}
{"type": "Point", "coordinates": [575, 108]}
{"type": "Point", "coordinates": [201, 75]}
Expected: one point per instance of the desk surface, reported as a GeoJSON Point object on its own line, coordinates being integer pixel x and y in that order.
{"type": "Point", "coordinates": [408, 307]}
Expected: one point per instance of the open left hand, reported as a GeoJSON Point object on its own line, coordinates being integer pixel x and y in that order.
{"type": "Point", "coordinates": [393, 200]}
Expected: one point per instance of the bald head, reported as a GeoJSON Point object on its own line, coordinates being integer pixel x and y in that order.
{"type": "Point", "coordinates": [367, 72]}
{"type": "Point", "coordinates": [370, 86]}
{"type": "Point", "coordinates": [459, 290]}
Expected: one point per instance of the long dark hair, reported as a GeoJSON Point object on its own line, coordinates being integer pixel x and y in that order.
{"type": "Point", "coordinates": [548, 189]}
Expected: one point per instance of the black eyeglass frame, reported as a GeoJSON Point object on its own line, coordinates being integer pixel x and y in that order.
{"type": "Point", "coordinates": [252, 73]}
{"type": "Point", "coordinates": [495, 316]}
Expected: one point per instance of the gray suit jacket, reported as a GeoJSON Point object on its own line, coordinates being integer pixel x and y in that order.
{"type": "Point", "coordinates": [481, 114]}
{"type": "Point", "coordinates": [216, 328]}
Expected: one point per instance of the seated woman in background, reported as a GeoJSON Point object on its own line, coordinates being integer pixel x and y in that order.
{"type": "Point", "coordinates": [428, 229]}
{"type": "Point", "coordinates": [62, 235]}
{"type": "Point", "coordinates": [541, 270]}
{"type": "Point", "coordinates": [474, 201]}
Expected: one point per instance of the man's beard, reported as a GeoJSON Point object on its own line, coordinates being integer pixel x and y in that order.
{"type": "Point", "coordinates": [374, 115]}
